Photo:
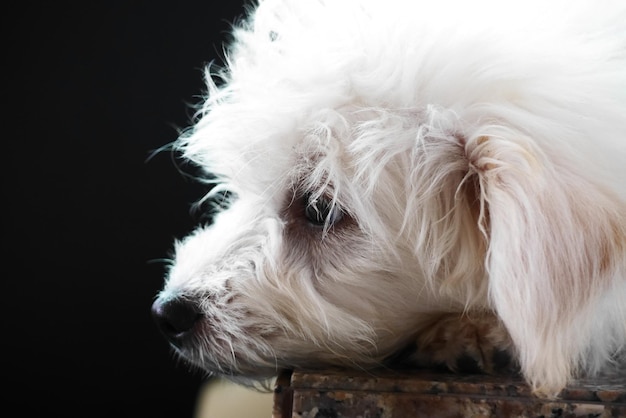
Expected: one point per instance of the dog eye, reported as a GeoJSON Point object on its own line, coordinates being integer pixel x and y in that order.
{"type": "Point", "coordinates": [319, 210]}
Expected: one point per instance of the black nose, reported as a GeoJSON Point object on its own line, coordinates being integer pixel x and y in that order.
{"type": "Point", "coordinates": [175, 318]}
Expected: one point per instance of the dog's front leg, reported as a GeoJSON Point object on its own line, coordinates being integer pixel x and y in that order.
{"type": "Point", "coordinates": [473, 342]}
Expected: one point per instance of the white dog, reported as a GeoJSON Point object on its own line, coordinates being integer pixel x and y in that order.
{"type": "Point", "coordinates": [447, 177]}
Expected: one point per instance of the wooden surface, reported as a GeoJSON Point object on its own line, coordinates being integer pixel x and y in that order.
{"type": "Point", "coordinates": [387, 394]}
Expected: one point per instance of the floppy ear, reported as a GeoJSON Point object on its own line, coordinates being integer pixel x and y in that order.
{"type": "Point", "coordinates": [555, 240]}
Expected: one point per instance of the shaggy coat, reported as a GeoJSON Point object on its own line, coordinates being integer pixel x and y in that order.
{"type": "Point", "coordinates": [448, 176]}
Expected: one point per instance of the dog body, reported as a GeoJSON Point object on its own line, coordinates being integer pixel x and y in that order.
{"type": "Point", "coordinates": [447, 175]}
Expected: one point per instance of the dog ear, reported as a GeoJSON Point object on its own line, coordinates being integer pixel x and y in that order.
{"type": "Point", "coordinates": [555, 242]}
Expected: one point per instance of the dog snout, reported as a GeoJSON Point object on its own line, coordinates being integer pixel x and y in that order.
{"type": "Point", "coordinates": [175, 318]}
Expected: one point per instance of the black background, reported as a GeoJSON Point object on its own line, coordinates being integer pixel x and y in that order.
{"type": "Point", "coordinates": [90, 90]}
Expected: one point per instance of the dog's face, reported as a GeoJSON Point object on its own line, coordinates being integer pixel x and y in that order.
{"type": "Point", "coordinates": [318, 258]}
{"type": "Point", "coordinates": [385, 165]}
{"type": "Point", "coordinates": [310, 262]}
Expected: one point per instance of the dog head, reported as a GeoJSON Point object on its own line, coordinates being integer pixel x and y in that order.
{"type": "Point", "coordinates": [384, 165]}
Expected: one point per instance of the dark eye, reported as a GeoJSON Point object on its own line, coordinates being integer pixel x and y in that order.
{"type": "Point", "coordinates": [320, 210]}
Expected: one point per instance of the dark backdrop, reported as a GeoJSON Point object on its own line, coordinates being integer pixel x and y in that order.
{"type": "Point", "coordinates": [90, 89]}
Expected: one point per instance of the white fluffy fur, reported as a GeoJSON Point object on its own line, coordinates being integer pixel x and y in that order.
{"type": "Point", "coordinates": [477, 150]}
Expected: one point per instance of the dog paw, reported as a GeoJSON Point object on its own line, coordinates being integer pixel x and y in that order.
{"type": "Point", "coordinates": [467, 343]}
